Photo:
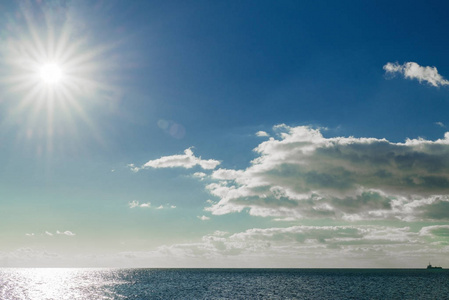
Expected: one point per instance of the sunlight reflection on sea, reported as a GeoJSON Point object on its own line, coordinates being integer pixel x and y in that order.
{"type": "Point", "coordinates": [88, 284]}
{"type": "Point", "coordinates": [52, 283]}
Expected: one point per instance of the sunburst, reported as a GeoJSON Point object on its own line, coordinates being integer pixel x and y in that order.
{"type": "Point", "coordinates": [52, 71]}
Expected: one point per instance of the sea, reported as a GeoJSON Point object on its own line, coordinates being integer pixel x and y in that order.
{"type": "Point", "coordinates": [74, 283]}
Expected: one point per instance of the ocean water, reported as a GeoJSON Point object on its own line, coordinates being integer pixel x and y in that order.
{"type": "Point", "coordinates": [41, 284]}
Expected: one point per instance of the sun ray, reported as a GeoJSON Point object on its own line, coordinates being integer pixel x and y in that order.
{"type": "Point", "coordinates": [52, 69]}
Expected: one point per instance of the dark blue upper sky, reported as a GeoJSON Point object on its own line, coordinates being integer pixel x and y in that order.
{"type": "Point", "coordinates": [210, 66]}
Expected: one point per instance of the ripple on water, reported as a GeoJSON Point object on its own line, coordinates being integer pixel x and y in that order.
{"type": "Point", "coordinates": [42, 284]}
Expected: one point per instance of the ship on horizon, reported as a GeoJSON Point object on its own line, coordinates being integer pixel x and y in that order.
{"type": "Point", "coordinates": [430, 267]}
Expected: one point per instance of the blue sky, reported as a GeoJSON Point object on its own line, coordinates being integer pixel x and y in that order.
{"type": "Point", "coordinates": [224, 134]}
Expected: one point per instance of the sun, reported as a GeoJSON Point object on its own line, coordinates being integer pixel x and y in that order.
{"type": "Point", "coordinates": [50, 73]}
{"type": "Point", "coordinates": [56, 74]}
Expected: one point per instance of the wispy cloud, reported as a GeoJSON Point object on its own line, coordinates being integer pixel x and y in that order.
{"type": "Point", "coordinates": [133, 168]}
{"type": "Point", "coordinates": [441, 124]}
{"type": "Point", "coordinates": [305, 175]}
{"type": "Point", "coordinates": [186, 160]}
{"type": "Point", "coordinates": [412, 70]}
{"type": "Point", "coordinates": [203, 218]}
{"type": "Point", "coordinates": [136, 203]}
{"type": "Point", "coordinates": [48, 233]}
{"type": "Point", "coordinates": [67, 232]}
{"type": "Point", "coordinates": [330, 245]}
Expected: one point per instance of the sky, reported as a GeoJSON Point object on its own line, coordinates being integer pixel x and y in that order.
{"type": "Point", "coordinates": [307, 134]}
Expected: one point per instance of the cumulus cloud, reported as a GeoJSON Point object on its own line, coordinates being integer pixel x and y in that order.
{"type": "Point", "coordinates": [186, 160]}
{"type": "Point", "coordinates": [200, 175]}
{"type": "Point", "coordinates": [412, 70]}
{"type": "Point", "coordinates": [262, 134]}
{"type": "Point", "coordinates": [302, 174]}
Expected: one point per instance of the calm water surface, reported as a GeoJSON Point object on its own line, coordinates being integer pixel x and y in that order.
{"type": "Point", "coordinates": [90, 284]}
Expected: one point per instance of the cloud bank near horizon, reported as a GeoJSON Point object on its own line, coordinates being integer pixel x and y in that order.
{"type": "Point", "coordinates": [411, 70]}
{"type": "Point", "coordinates": [352, 242]}
{"type": "Point", "coordinates": [292, 246]}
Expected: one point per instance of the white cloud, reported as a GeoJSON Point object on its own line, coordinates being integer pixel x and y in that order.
{"type": "Point", "coordinates": [305, 175]}
{"type": "Point", "coordinates": [136, 203]}
{"type": "Point", "coordinates": [262, 134]}
{"type": "Point", "coordinates": [435, 231]}
{"type": "Point", "coordinates": [299, 246]}
{"type": "Point", "coordinates": [412, 70]}
{"type": "Point", "coordinates": [203, 218]}
{"type": "Point", "coordinates": [133, 204]}
{"type": "Point", "coordinates": [186, 160]}
{"type": "Point", "coordinates": [199, 175]}
{"type": "Point", "coordinates": [316, 246]}
{"type": "Point", "coordinates": [67, 232]}
{"type": "Point", "coordinates": [226, 174]}
{"type": "Point", "coordinates": [441, 124]}
{"type": "Point", "coordinates": [133, 168]}
{"type": "Point", "coordinates": [48, 233]}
